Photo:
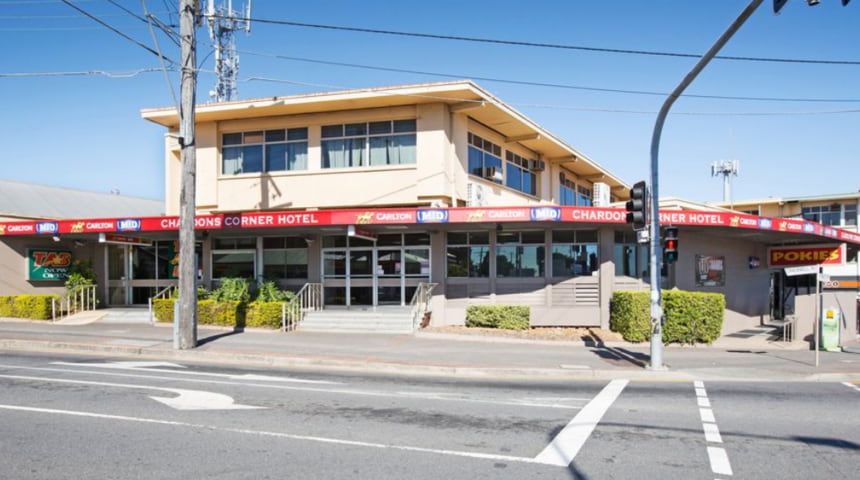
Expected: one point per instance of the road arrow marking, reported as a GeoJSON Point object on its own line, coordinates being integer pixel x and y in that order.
{"type": "Point", "coordinates": [187, 399]}
{"type": "Point", "coordinates": [200, 400]}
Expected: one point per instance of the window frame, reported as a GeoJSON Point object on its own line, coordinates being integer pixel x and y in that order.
{"type": "Point", "coordinates": [352, 134]}
{"type": "Point", "coordinates": [292, 136]}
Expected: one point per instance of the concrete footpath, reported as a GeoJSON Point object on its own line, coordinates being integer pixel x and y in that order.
{"type": "Point", "coordinates": [437, 354]}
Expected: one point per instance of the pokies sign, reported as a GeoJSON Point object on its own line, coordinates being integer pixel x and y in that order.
{"type": "Point", "coordinates": [806, 255]}
{"type": "Point", "coordinates": [44, 264]}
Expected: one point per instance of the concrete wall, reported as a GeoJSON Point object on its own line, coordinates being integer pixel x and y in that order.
{"type": "Point", "coordinates": [746, 289]}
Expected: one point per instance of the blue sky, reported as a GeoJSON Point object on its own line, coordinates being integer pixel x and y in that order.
{"type": "Point", "coordinates": [86, 132]}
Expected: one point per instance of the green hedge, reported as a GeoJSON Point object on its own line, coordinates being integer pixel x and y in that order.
{"type": "Point", "coordinates": [225, 313]}
{"type": "Point", "coordinates": [511, 317]}
{"type": "Point", "coordinates": [36, 307]}
{"type": "Point", "coordinates": [691, 317]}
{"type": "Point", "coordinates": [263, 314]}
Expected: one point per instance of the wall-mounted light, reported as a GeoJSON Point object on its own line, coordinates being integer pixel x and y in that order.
{"type": "Point", "coordinates": [56, 238]}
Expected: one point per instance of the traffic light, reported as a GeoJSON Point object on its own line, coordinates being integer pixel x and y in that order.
{"type": "Point", "coordinates": [637, 207]}
{"type": "Point", "coordinates": [670, 244]}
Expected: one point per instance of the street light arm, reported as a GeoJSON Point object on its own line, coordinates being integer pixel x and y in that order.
{"type": "Point", "coordinates": [656, 264]}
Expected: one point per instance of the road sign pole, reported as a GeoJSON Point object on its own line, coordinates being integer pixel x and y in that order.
{"type": "Point", "coordinates": [656, 264]}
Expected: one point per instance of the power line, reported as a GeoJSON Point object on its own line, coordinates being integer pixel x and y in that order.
{"type": "Point", "coordinates": [551, 85]}
{"type": "Point", "coordinates": [118, 32]}
{"type": "Point", "coordinates": [558, 107]}
{"type": "Point", "coordinates": [82, 73]}
{"type": "Point", "coordinates": [549, 45]}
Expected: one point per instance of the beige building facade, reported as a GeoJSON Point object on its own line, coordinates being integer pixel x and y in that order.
{"type": "Point", "coordinates": [373, 193]}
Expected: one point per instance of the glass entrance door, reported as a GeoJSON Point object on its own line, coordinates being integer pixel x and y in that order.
{"type": "Point", "coordinates": [137, 272]}
{"type": "Point", "coordinates": [368, 275]}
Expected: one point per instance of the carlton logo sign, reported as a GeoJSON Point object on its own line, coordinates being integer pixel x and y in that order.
{"type": "Point", "coordinates": [806, 255]}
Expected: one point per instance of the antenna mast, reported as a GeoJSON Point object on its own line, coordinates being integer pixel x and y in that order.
{"type": "Point", "coordinates": [223, 22]}
{"type": "Point", "coordinates": [726, 168]}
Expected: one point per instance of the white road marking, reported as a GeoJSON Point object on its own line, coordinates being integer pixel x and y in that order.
{"type": "Point", "coordinates": [564, 447]}
{"type": "Point", "coordinates": [336, 441]}
{"type": "Point", "coordinates": [712, 433]}
{"type": "Point", "coordinates": [186, 399]}
{"type": "Point", "coordinates": [149, 367]}
{"type": "Point", "coordinates": [717, 456]}
{"type": "Point", "coordinates": [851, 385]}
{"type": "Point", "coordinates": [719, 461]}
{"type": "Point", "coordinates": [335, 391]}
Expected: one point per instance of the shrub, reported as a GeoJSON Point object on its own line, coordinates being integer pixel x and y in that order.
{"type": "Point", "coordinates": [35, 307]}
{"type": "Point", "coordinates": [162, 308]}
{"type": "Point", "coordinates": [630, 315]}
{"type": "Point", "coordinates": [264, 314]}
{"type": "Point", "coordinates": [690, 317]}
{"type": "Point", "coordinates": [510, 317]}
{"type": "Point", "coordinates": [7, 305]}
{"type": "Point", "coordinates": [269, 292]}
{"type": "Point", "coordinates": [231, 289]}
{"type": "Point", "coordinates": [693, 317]}
{"type": "Point", "coordinates": [209, 312]}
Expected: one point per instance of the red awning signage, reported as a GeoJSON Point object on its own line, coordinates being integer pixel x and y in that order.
{"type": "Point", "coordinates": [414, 216]}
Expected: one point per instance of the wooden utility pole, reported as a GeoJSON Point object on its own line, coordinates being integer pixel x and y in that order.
{"type": "Point", "coordinates": [185, 318]}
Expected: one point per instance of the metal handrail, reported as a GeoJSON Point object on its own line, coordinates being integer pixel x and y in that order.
{"type": "Point", "coordinates": [420, 303]}
{"type": "Point", "coordinates": [80, 298]}
{"type": "Point", "coordinates": [165, 292]}
{"type": "Point", "coordinates": [307, 299]}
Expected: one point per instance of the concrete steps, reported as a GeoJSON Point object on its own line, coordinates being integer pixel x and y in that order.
{"type": "Point", "coordinates": [382, 320]}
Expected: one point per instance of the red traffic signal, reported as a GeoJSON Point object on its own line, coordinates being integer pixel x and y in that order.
{"type": "Point", "coordinates": [670, 244]}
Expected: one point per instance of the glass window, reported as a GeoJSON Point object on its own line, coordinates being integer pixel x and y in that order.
{"type": "Point", "coordinates": [631, 258]}
{"type": "Point", "coordinates": [369, 144]}
{"type": "Point", "coordinates": [574, 253]}
{"type": "Point", "coordinates": [470, 257]}
{"type": "Point", "coordinates": [518, 174]}
{"type": "Point", "coordinates": [285, 257]}
{"type": "Point", "coordinates": [484, 156]}
{"type": "Point", "coordinates": [520, 254]}
{"type": "Point", "coordinates": [233, 264]}
{"type": "Point", "coordinates": [273, 151]}
{"type": "Point", "coordinates": [234, 257]}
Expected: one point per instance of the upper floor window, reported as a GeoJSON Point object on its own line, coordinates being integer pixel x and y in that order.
{"type": "Point", "coordinates": [369, 144]}
{"type": "Point", "coordinates": [264, 151]}
{"type": "Point", "coordinates": [752, 211]}
{"type": "Point", "coordinates": [836, 214]}
{"type": "Point", "coordinates": [518, 174]}
{"type": "Point", "coordinates": [584, 196]}
{"type": "Point", "coordinates": [485, 158]}
{"type": "Point", "coordinates": [572, 194]}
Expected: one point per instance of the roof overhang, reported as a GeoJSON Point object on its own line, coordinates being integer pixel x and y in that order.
{"type": "Point", "coordinates": [460, 96]}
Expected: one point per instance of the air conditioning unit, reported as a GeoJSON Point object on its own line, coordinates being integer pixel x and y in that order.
{"type": "Point", "coordinates": [493, 173]}
{"type": "Point", "coordinates": [600, 195]}
{"type": "Point", "coordinates": [537, 165]}
{"type": "Point", "coordinates": [475, 195]}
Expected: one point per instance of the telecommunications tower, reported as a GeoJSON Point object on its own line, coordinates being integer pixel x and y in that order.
{"type": "Point", "coordinates": [223, 22]}
{"type": "Point", "coordinates": [726, 168]}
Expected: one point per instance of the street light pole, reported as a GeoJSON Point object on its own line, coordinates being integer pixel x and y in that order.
{"type": "Point", "coordinates": [656, 261]}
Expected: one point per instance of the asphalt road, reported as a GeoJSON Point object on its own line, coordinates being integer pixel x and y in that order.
{"type": "Point", "coordinates": [88, 417]}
